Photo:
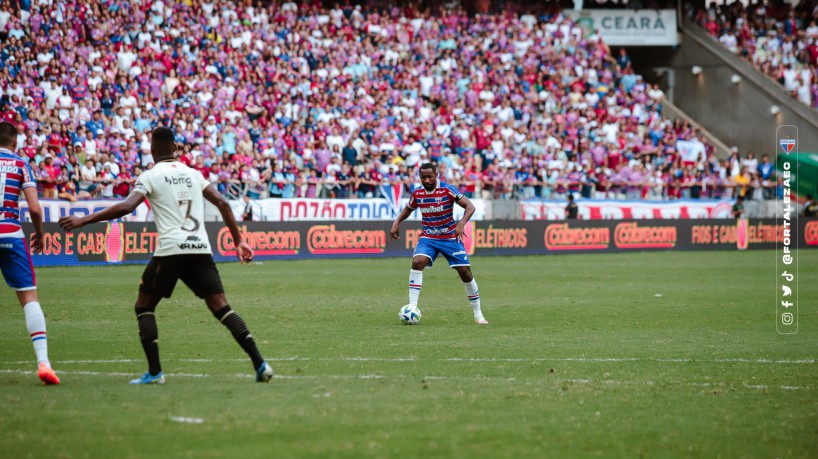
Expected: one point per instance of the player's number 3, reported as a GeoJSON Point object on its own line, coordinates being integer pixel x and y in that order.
{"type": "Point", "coordinates": [189, 220]}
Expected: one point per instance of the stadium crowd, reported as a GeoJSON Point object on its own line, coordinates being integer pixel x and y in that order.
{"type": "Point", "coordinates": [292, 100]}
{"type": "Point", "coordinates": [780, 39]}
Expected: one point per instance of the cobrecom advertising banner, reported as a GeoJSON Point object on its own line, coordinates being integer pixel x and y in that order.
{"type": "Point", "coordinates": [133, 243]}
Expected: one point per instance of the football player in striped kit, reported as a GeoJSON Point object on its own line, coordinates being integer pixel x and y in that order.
{"type": "Point", "coordinates": [441, 234]}
{"type": "Point", "coordinates": [17, 178]}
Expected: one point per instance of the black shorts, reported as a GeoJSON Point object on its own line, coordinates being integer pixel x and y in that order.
{"type": "Point", "coordinates": [198, 272]}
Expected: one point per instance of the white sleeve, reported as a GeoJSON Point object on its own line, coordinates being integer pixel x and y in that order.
{"type": "Point", "coordinates": [143, 184]}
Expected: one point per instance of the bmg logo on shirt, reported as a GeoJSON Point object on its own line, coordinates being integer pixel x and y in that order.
{"type": "Point", "coordinates": [183, 180]}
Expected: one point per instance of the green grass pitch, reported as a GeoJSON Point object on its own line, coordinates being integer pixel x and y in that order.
{"type": "Point", "coordinates": [626, 355]}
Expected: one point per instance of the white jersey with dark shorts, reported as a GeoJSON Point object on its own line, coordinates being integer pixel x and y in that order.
{"type": "Point", "coordinates": [174, 192]}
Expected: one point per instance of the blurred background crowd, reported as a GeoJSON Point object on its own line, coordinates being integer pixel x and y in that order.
{"type": "Point", "coordinates": [290, 99]}
{"type": "Point", "coordinates": [780, 39]}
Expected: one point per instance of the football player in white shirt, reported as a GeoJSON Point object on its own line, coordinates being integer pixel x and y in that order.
{"type": "Point", "coordinates": [176, 194]}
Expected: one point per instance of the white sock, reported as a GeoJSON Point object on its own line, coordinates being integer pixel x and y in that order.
{"type": "Point", "coordinates": [474, 298]}
{"type": "Point", "coordinates": [415, 283]}
{"type": "Point", "coordinates": [35, 323]}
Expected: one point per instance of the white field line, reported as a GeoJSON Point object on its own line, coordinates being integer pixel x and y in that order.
{"type": "Point", "coordinates": [633, 359]}
{"type": "Point", "coordinates": [671, 383]}
{"type": "Point", "coordinates": [452, 359]}
{"type": "Point", "coordinates": [99, 373]}
{"type": "Point", "coordinates": [411, 377]}
{"type": "Point", "coordinates": [186, 420]}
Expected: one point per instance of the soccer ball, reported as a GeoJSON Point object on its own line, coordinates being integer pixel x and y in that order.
{"type": "Point", "coordinates": [409, 315]}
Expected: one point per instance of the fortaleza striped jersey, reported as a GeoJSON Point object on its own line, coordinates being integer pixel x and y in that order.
{"type": "Point", "coordinates": [436, 209]}
{"type": "Point", "coordinates": [15, 175]}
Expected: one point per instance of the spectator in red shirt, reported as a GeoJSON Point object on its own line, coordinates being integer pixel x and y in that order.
{"type": "Point", "coordinates": [200, 166]}
{"type": "Point", "coordinates": [123, 184]}
{"type": "Point", "coordinates": [48, 175]}
{"type": "Point", "coordinates": [55, 141]}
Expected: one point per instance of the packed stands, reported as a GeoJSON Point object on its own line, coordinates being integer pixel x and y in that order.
{"type": "Point", "coordinates": [290, 100]}
{"type": "Point", "coordinates": [780, 39]}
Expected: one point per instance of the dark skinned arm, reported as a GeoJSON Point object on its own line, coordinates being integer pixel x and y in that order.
{"type": "Point", "coordinates": [243, 251]}
{"type": "Point", "coordinates": [117, 210]}
{"type": "Point", "coordinates": [394, 233]}
{"type": "Point", "coordinates": [35, 211]}
{"type": "Point", "coordinates": [465, 203]}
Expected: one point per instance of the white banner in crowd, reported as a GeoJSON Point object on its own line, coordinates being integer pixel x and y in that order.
{"type": "Point", "coordinates": [690, 150]}
{"type": "Point", "coordinates": [297, 209]}
{"type": "Point", "coordinates": [303, 209]}
{"type": "Point", "coordinates": [278, 210]}
{"type": "Point", "coordinates": [618, 210]}
{"type": "Point", "coordinates": [53, 209]}
{"type": "Point", "coordinates": [629, 27]}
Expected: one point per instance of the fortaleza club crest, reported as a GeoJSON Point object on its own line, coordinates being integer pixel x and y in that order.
{"type": "Point", "coordinates": [787, 145]}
